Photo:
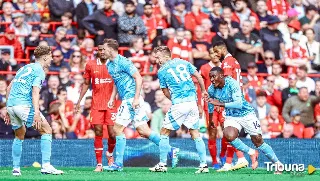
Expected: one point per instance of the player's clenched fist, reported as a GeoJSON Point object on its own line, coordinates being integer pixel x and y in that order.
{"type": "Point", "coordinates": [7, 119]}
{"type": "Point", "coordinates": [205, 95]}
{"type": "Point", "coordinates": [111, 103]}
{"type": "Point", "coordinates": [37, 121]}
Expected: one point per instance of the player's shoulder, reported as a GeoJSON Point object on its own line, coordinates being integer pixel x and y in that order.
{"type": "Point", "coordinates": [231, 81]}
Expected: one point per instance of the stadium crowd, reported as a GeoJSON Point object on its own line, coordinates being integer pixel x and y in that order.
{"type": "Point", "coordinates": [276, 43]}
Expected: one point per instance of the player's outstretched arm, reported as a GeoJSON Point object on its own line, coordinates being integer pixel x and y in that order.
{"type": "Point", "coordinates": [7, 117]}
{"type": "Point", "coordinates": [36, 106]}
{"type": "Point", "coordinates": [201, 82]}
{"type": "Point", "coordinates": [113, 96]}
{"type": "Point", "coordinates": [85, 87]}
{"type": "Point", "coordinates": [137, 77]}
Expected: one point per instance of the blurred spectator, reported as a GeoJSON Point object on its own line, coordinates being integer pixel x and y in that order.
{"type": "Point", "coordinates": [243, 12]}
{"type": "Point", "coordinates": [278, 8]}
{"type": "Point", "coordinates": [178, 17]}
{"type": "Point", "coordinates": [87, 107]}
{"type": "Point", "coordinates": [313, 52]}
{"type": "Point", "coordinates": [73, 92]}
{"type": "Point", "coordinates": [58, 7]}
{"type": "Point", "coordinates": [254, 81]}
{"type": "Point", "coordinates": [65, 78]}
{"type": "Point", "coordinates": [171, 4]}
{"type": "Point", "coordinates": [310, 19]}
{"type": "Point", "coordinates": [20, 27]}
{"type": "Point", "coordinates": [59, 34]}
{"type": "Point", "coordinates": [223, 35]}
{"type": "Point", "coordinates": [292, 90]}
{"type": "Point", "coordinates": [57, 61]}
{"type": "Point", "coordinates": [78, 40]}
{"type": "Point", "coordinates": [58, 130]}
{"type": "Point", "coordinates": [302, 102]}
{"type": "Point", "coordinates": [159, 97]}
{"type": "Point", "coordinates": [266, 66]}
{"type": "Point", "coordinates": [272, 39]}
{"type": "Point", "coordinates": [262, 12]}
{"type": "Point", "coordinates": [248, 91]}
{"type": "Point", "coordinates": [287, 132]}
{"type": "Point", "coordinates": [207, 6]}
{"type": "Point", "coordinates": [65, 48]}
{"type": "Point", "coordinates": [104, 20]}
{"type": "Point", "coordinates": [149, 92]}
{"type": "Point", "coordinates": [298, 6]}
{"type": "Point", "coordinates": [30, 16]}
{"type": "Point", "coordinates": [6, 16]}
{"type": "Point", "coordinates": [215, 15]}
{"type": "Point", "coordinates": [273, 95]}
{"type": "Point", "coordinates": [42, 5]}
{"type": "Point", "coordinates": [159, 116]}
{"type": "Point", "coordinates": [304, 80]}
{"type": "Point", "coordinates": [19, 5]}
{"type": "Point", "coordinates": [180, 47]}
{"type": "Point", "coordinates": [195, 17]}
{"type": "Point", "coordinates": [77, 62]}
{"type": "Point", "coordinates": [45, 26]}
{"type": "Point", "coordinates": [207, 25]}
{"type": "Point", "coordinates": [136, 52]}
{"type": "Point", "coordinates": [5, 63]}
{"type": "Point", "coordinates": [262, 108]}
{"type": "Point", "coordinates": [317, 130]}
{"type": "Point", "coordinates": [234, 27]}
{"type": "Point", "coordinates": [6, 131]}
{"type": "Point", "coordinates": [33, 39]}
{"type": "Point", "coordinates": [200, 48]}
{"type": "Point", "coordinates": [50, 94]}
{"type": "Point", "coordinates": [275, 122]}
{"type": "Point", "coordinates": [316, 92]}
{"type": "Point", "coordinates": [84, 9]}
{"type": "Point", "coordinates": [295, 56]}
{"type": "Point", "coordinates": [62, 98]}
{"type": "Point", "coordinates": [88, 49]}
{"type": "Point", "coordinates": [3, 90]}
{"type": "Point", "coordinates": [298, 127]}
{"type": "Point", "coordinates": [66, 20]}
{"type": "Point", "coordinates": [130, 25]}
{"type": "Point", "coordinates": [188, 35]}
{"type": "Point", "coordinates": [248, 45]}
{"type": "Point", "coordinates": [264, 128]}
{"type": "Point", "coordinates": [280, 82]}
{"type": "Point", "coordinates": [9, 39]}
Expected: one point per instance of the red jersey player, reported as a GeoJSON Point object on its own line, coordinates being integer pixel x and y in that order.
{"type": "Point", "coordinates": [102, 86]}
{"type": "Point", "coordinates": [231, 68]}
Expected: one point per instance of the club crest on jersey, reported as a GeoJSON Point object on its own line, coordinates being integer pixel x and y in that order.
{"type": "Point", "coordinates": [226, 65]}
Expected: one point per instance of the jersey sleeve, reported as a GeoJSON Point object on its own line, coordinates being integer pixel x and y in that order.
{"type": "Point", "coordinates": [162, 81]}
{"type": "Point", "coordinates": [128, 67]}
{"type": "Point", "coordinates": [236, 95]}
{"type": "Point", "coordinates": [191, 68]}
{"type": "Point", "coordinates": [87, 72]}
{"type": "Point", "coordinates": [211, 95]}
{"type": "Point", "coordinates": [39, 79]}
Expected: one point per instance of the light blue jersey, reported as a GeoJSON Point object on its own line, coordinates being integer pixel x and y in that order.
{"type": "Point", "coordinates": [121, 70]}
{"type": "Point", "coordinates": [176, 76]}
{"type": "Point", "coordinates": [231, 95]}
{"type": "Point", "coordinates": [27, 77]}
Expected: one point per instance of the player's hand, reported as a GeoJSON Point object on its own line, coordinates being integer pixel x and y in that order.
{"type": "Point", "coordinates": [37, 120]}
{"type": "Point", "coordinates": [135, 103]}
{"type": "Point", "coordinates": [214, 102]}
{"type": "Point", "coordinates": [7, 119]}
{"type": "Point", "coordinates": [111, 103]}
{"type": "Point", "coordinates": [77, 108]}
{"type": "Point", "coordinates": [205, 95]}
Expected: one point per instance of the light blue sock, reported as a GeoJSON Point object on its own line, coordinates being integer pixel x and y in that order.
{"type": "Point", "coordinates": [239, 145]}
{"type": "Point", "coordinates": [155, 138]}
{"type": "Point", "coordinates": [201, 149]}
{"type": "Point", "coordinates": [164, 147]}
{"type": "Point", "coordinates": [16, 152]}
{"type": "Point", "coordinates": [120, 147]}
{"type": "Point", "coordinates": [46, 140]}
{"type": "Point", "coordinates": [268, 151]}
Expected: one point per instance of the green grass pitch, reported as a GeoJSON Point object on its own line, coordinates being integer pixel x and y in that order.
{"type": "Point", "coordinates": [177, 174]}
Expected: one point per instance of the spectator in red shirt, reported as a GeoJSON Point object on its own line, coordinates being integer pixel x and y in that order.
{"type": "Point", "coordinates": [200, 48]}
{"type": "Point", "coordinates": [298, 127]}
{"type": "Point", "coordinates": [254, 81]}
{"type": "Point", "coordinates": [242, 12]}
{"type": "Point", "coordinates": [180, 47]}
{"type": "Point", "coordinates": [275, 121]}
{"type": "Point", "coordinates": [9, 39]}
{"type": "Point", "coordinates": [208, 34]}
{"type": "Point", "coordinates": [278, 8]}
{"type": "Point", "coordinates": [295, 56]}
{"type": "Point", "coordinates": [195, 17]}
{"type": "Point", "coordinates": [273, 95]}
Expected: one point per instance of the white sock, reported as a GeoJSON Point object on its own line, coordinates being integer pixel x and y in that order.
{"type": "Point", "coordinates": [251, 151]}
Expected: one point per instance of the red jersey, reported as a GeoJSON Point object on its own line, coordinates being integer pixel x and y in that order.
{"type": "Point", "coordinates": [232, 68]}
{"type": "Point", "coordinates": [102, 83]}
{"type": "Point", "coordinates": [295, 53]}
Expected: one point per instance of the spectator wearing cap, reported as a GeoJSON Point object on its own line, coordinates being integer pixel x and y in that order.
{"type": "Point", "coordinates": [195, 17]}
{"type": "Point", "coordinates": [208, 34]}
{"type": "Point", "coordinates": [57, 61]}
{"type": "Point", "coordinates": [9, 39]}
{"type": "Point", "coordinates": [299, 7]}
{"type": "Point", "coordinates": [310, 19]}
{"type": "Point", "coordinates": [313, 51]}
{"type": "Point", "coordinates": [215, 15]}
{"type": "Point", "coordinates": [275, 122]}
{"type": "Point", "coordinates": [287, 132]}
{"type": "Point", "coordinates": [304, 80]}
{"type": "Point", "coordinates": [170, 4]}
{"type": "Point", "coordinates": [280, 82]}
{"type": "Point", "coordinates": [45, 26]}
{"type": "Point", "coordinates": [6, 16]}
{"type": "Point", "coordinates": [248, 45]}
{"type": "Point", "coordinates": [262, 108]}
{"type": "Point", "coordinates": [20, 27]}
{"type": "Point", "coordinates": [84, 8]}
{"type": "Point", "coordinates": [180, 47]}
{"type": "Point", "coordinates": [152, 22]}
{"type": "Point", "coordinates": [272, 38]}
{"type": "Point", "coordinates": [295, 56]}
{"type": "Point", "coordinates": [290, 91]}
{"type": "Point", "coordinates": [34, 38]}
{"type": "Point", "coordinates": [58, 7]}
{"type": "Point", "coordinates": [262, 12]}
{"type": "Point", "coordinates": [273, 95]}
{"type": "Point", "coordinates": [278, 8]}
{"type": "Point", "coordinates": [66, 20]}
{"type": "Point", "coordinates": [254, 81]}
{"type": "Point", "coordinates": [30, 16]}
{"type": "Point", "coordinates": [200, 48]}
{"type": "Point", "coordinates": [65, 47]}
{"type": "Point", "coordinates": [248, 92]}
{"type": "Point", "coordinates": [104, 20]}
{"type": "Point", "coordinates": [298, 127]}
{"type": "Point", "coordinates": [224, 35]}
{"type": "Point", "coordinates": [287, 30]}
{"type": "Point", "coordinates": [59, 34]}
{"type": "Point", "coordinates": [266, 67]}
{"type": "Point", "coordinates": [243, 12]}
{"type": "Point", "coordinates": [303, 102]}
{"type": "Point", "coordinates": [178, 15]}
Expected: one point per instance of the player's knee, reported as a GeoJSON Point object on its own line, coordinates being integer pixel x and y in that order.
{"type": "Point", "coordinates": [20, 137]}
{"type": "Point", "coordinates": [230, 133]}
{"type": "Point", "coordinates": [212, 132]}
{"type": "Point", "coordinates": [98, 132]}
{"type": "Point", "coordinates": [165, 131]}
{"type": "Point", "coordinates": [257, 140]}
